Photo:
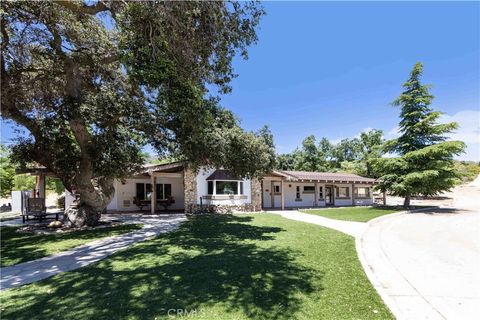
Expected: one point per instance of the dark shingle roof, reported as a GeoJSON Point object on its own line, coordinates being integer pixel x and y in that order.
{"type": "Point", "coordinates": [323, 176]}
{"type": "Point", "coordinates": [221, 174]}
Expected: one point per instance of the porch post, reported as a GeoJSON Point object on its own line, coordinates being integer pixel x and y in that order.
{"type": "Point", "coordinates": [153, 198]}
{"type": "Point", "coordinates": [283, 197]}
{"type": "Point", "coordinates": [261, 196]}
{"type": "Point", "coordinates": [316, 194]}
{"type": "Point", "coordinates": [353, 193]}
{"type": "Point", "coordinates": [40, 186]}
{"type": "Point", "coordinates": [272, 195]}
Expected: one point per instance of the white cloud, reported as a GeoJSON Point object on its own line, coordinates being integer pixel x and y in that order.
{"type": "Point", "coordinates": [364, 130]}
{"type": "Point", "coordinates": [335, 141]}
{"type": "Point", "coordinates": [394, 133]}
{"type": "Point", "coordinates": [468, 132]}
{"type": "Point", "coordinates": [469, 125]}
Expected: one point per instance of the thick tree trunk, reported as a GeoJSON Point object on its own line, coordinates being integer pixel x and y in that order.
{"type": "Point", "coordinates": [406, 202]}
{"type": "Point", "coordinates": [91, 203]}
{"type": "Point", "coordinates": [77, 216]}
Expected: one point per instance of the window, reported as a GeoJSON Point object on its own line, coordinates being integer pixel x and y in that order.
{"type": "Point", "coordinates": [167, 191]}
{"type": "Point", "coordinates": [140, 191]}
{"type": "Point", "coordinates": [320, 192]}
{"type": "Point", "coordinates": [164, 191]}
{"type": "Point", "coordinates": [309, 189]}
{"type": "Point", "coordinates": [226, 187]}
{"type": "Point", "coordinates": [362, 192]}
{"type": "Point", "coordinates": [218, 187]}
{"type": "Point", "coordinates": [148, 191]}
{"type": "Point", "coordinates": [276, 189]}
{"type": "Point", "coordinates": [210, 187]}
{"type": "Point", "coordinates": [144, 191]}
{"type": "Point", "coordinates": [159, 192]}
{"type": "Point", "coordinates": [342, 192]}
{"type": "Point", "coordinates": [297, 195]}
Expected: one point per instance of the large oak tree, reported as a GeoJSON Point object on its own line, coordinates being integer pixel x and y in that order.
{"type": "Point", "coordinates": [93, 82]}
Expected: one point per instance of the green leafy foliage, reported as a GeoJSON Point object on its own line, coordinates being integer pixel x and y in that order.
{"type": "Point", "coordinates": [24, 182]}
{"type": "Point", "coordinates": [93, 83]}
{"type": "Point", "coordinates": [7, 172]}
{"type": "Point", "coordinates": [354, 155]}
{"type": "Point", "coordinates": [425, 164]}
{"type": "Point", "coordinates": [468, 170]}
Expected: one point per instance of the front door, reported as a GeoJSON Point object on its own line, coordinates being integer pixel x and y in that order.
{"type": "Point", "coordinates": [328, 195]}
{"type": "Point", "coordinates": [276, 194]}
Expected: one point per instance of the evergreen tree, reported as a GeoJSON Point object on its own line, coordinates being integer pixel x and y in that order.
{"type": "Point", "coordinates": [425, 163]}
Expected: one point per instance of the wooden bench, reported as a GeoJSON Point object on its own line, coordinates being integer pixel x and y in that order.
{"type": "Point", "coordinates": [35, 207]}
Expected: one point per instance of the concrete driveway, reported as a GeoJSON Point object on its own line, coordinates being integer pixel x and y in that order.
{"type": "Point", "coordinates": [427, 265]}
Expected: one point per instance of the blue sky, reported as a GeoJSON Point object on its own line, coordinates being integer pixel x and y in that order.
{"type": "Point", "coordinates": [332, 69]}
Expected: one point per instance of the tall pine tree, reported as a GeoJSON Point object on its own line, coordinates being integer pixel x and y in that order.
{"type": "Point", "coordinates": [425, 162]}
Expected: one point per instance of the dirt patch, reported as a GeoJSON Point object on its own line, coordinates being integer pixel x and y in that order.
{"type": "Point", "coordinates": [45, 229]}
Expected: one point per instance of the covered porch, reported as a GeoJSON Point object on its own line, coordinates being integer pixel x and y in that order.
{"type": "Point", "coordinates": [300, 189]}
{"type": "Point", "coordinates": [158, 188]}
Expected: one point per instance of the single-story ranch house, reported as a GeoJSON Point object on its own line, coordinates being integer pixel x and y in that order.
{"type": "Point", "coordinates": [215, 190]}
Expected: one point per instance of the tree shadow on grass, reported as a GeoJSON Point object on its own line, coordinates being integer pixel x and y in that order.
{"type": "Point", "coordinates": [17, 247]}
{"type": "Point", "coordinates": [211, 261]}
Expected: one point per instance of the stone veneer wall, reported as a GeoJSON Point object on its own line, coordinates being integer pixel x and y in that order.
{"type": "Point", "coordinates": [190, 189]}
{"type": "Point", "coordinates": [256, 189]}
{"type": "Point", "coordinates": [191, 206]}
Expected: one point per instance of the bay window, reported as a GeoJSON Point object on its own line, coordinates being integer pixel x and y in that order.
{"type": "Point", "coordinates": [219, 187]}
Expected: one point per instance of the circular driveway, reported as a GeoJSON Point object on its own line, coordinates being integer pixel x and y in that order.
{"type": "Point", "coordinates": [426, 265]}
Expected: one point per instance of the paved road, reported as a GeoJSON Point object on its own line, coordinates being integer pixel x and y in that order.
{"type": "Point", "coordinates": [427, 265]}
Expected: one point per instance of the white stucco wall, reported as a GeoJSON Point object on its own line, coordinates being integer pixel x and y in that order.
{"type": "Point", "coordinates": [202, 190]}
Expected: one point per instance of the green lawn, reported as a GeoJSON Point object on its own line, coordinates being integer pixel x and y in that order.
{"type": "Point", "coordinates": [361, 214]}
{"type": "Point", "coordinates": [21, 247]}
{"type": "Point", "coordinates": [213, 267]}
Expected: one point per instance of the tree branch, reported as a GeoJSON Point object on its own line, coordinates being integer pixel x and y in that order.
{"type": "Point", "coordinates": [87, 9]}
